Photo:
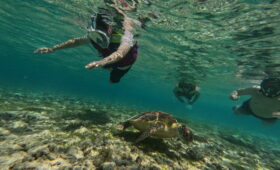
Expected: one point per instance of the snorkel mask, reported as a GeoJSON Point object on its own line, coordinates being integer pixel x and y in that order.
{"type": "Point", "coordinates": [270, 87]}
{"type": "Point", "coordinates": [97, 31]}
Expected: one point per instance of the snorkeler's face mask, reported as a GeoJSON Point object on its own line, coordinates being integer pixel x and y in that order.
{"type": "Point", "coordinates": [270, 87]}
{"type": "Point", "coordinates": [96, 34]}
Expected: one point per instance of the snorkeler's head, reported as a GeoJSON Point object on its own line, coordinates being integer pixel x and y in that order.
{"type": "Point", "coordinates": [185, 134]}
{"type": "Point", "coordinates": [270, 87]}
{"type": "Point", "coordinates": [185, 85]}
{"type": "Point", "coordinates": [98, 29]}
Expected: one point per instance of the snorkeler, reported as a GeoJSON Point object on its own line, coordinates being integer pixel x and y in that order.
{"type": "Point", "coordinates": [186, 90]}
{"type": "Point", "coordinates": [264, 103]}
{"type": "Point", "coordinates": [116, 46]}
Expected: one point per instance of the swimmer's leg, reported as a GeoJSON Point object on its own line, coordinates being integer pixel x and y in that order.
{"type": "Point", "coordinates": [117, 74]}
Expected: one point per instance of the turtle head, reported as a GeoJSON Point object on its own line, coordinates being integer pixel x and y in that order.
{"type": "Point", "coordinates": [185, 134]}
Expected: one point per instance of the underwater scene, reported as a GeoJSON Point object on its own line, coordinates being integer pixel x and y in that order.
{"type": "Point", "coordinates": [139, 84]}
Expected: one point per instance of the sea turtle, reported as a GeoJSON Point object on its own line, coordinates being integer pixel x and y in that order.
{"type": "Point", "coordinates": [160, 124]}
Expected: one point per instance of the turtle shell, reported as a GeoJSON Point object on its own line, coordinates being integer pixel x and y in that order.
{"type": "Point", "coordinates": [155, 116]}
{"type": "Point", "coordinates": [146, 120]}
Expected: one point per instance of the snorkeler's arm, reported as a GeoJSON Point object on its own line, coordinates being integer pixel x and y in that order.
{"type": "Point", "coordinates": [68, 44]}
{"type": "Point", "coordinates": [180, 98]}
{"type": "Point", "coordinates": [113, 58]}
{"type": "Point", "coordinates": [194, 98]}
{"type": "Point", "coordinates": [177, 95]}
{"type": "Point", "coordinates": [245, 91]}
{"type": "Point", "coordinates": [125, 46]}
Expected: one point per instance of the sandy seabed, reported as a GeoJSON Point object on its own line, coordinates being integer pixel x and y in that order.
{"type": "Point", "coordinates": [44, 131]}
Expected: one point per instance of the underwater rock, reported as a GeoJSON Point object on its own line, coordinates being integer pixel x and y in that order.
{"type": "Point", "coordinates": [82, 131]}
{"type": "Point", "coordinates": [172, 155]}
{"type": "Point", "coordinates": [30, 117]}
{"type": "Point", "coordinates": [4, 132]}
{"type": "Point", "coordinates": [24, 166]}
{"type": "Point", "coordinates": [52, 147]}
{"type": "Point", "coordinates": [215, 166]}
{"type": "Point", "coordinates": [88, 164]}
{"type": "Point", "coordinates": [155, 167]}
{"type": "Point", "coordinates": [194, 153]}
{"type": "Point", "coordinates": [85, 146]}
{"type": "Point", "coordinates": [139, 159]}
{"type": "Point", "coordinates": [14, 148]}
{"type": "Point", "coordinates": [122, 162]}
{"type": "Point", "coordinates": [79, 168]}
{"type": "Point", "coordinates": [20, 127]}
{"type": "Point", "coordinates": [104, 155]}
{"type": "Point", "coordinates": [40, 151]}
{"type": "Point", "coordinates": [12, 159]}
{"type": "Point", "coordinates": [71, 125]}
{"type": "Point", "coordinates": [131, 167]}
{"type": "Point", "coordinates": [8, 115]}
{"type": "Point", "coordinates": [75, 152]}
{"type": "Point", "coordinates": [239, 140]}
{"type": "Point", "coordinates": [108, 166]}
{"type": "Point", "coordinates": [66, 167]}
{"type": "Point", "coordinates": [28, 158]}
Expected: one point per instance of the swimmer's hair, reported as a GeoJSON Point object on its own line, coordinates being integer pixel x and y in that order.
{"type": "Point", "coordinates": [183, 84]}
{"type": "Point", "coordinates": [270, 87]}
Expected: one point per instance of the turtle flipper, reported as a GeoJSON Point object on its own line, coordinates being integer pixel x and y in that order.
{"type": "Point", "coordinates": [149, 132]}
{"type": "Point", "coordinates": [143, 136]}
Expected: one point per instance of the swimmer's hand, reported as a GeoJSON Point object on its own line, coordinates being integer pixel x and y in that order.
{"type": "Point", "coordinates": [94, 64]}
{"type": "Point", "coordinates": [276, 115]}
{"type": "Point", "coordinates": [234, 95]}
{"type": "Point", "coordinates": [43, 50]}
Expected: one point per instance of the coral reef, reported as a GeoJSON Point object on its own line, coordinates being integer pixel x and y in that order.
{"type": "Point", "coordinates": [43, 131]}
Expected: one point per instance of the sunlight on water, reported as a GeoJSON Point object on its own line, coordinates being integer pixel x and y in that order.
{"type": "Point", "coordinates": [203, 39]}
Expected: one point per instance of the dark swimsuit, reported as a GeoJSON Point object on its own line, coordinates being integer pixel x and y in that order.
{"type": "Point", "coordinates": [246, 108]}
{"type": "Point", "coordinates": [116, 74]}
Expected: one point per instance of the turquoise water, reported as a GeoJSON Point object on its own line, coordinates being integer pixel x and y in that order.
{"type": "Point", "coordinates": [222, 45]}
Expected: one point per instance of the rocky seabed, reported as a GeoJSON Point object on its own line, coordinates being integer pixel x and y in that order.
{"type": "Point", "coordinates": [43, 131]}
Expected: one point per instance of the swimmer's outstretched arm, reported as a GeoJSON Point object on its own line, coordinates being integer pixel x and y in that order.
{"type": "Point", "coordinates": [245, 91]}
{"type": "Point", "coordinates": [180, 98]}
{"type": "Point", "coordinates": [67, 44]}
